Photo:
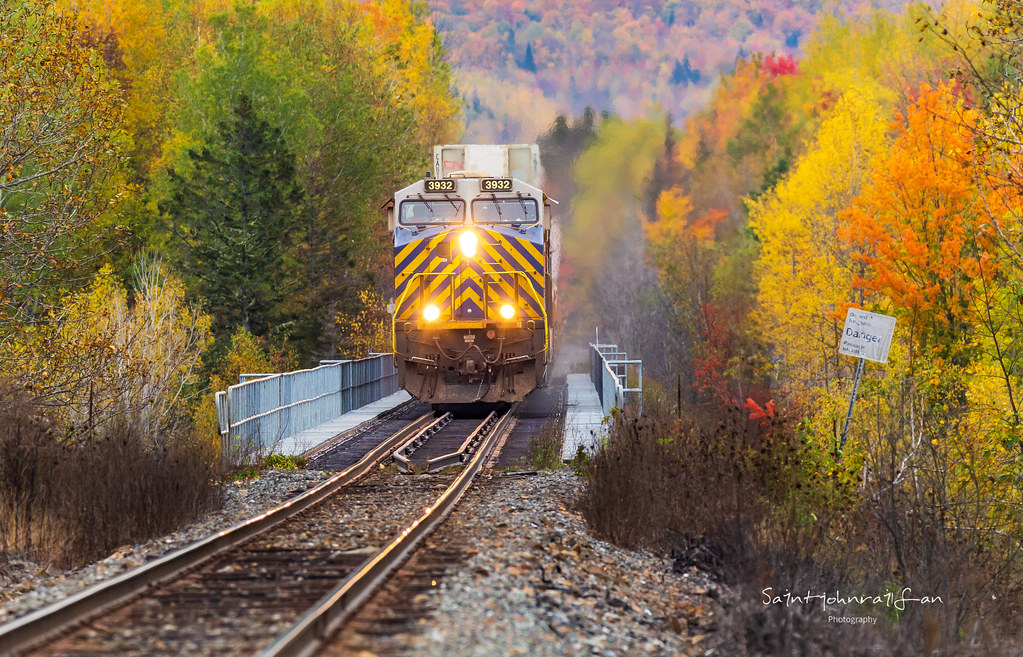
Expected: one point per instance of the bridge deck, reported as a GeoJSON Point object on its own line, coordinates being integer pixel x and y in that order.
{"type": "Point", "coordinates": [304, 441]}
{"type": "Point", "coordinates": [583, 416]}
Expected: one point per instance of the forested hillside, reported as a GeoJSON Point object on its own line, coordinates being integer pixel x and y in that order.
{"type": "Point", "coordinates": [190, 190]}
{"type": "Point", "coordinates": [245, 148]}
{"type": "Point", "coordinates": [519, 63]}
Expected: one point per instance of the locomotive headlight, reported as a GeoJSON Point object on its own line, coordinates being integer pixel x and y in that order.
{"type": "Point", "coordinates": [468, 240]}
{"type": "Point", "coordinates": [431, 313]}
{"type": "Point", "coordinates": [507, 311]}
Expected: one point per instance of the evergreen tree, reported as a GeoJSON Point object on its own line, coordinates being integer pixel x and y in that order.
{"type": "Point", "coordinates": [560, 145]}
{"type": "Point", "coordinates": [528, 64]}
{"type": "Point", "coordinates": [665, 174]}
{"type": "Point", "coordinates": [236, 213]}
{"type": "Point", "coordinates": [684, 73]}
{"type": "Point", "coordinates": [679, 74]}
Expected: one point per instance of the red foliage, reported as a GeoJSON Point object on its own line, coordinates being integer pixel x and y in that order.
{"type": "Point", "coordinates": [784, 65]}
{"type": "Point", "coordinates": [757, 412]}
{"type": "Point", "coordinates": [709, 382]}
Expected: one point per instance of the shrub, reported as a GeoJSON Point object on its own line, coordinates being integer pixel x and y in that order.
{"type": "Point", "coordinates": [110, 357]}
{"type": "Point", "coordinates": [755, 502]}
{"type": "Point", "coordinates": [275, 461]}
{"type": "Point", "coordinates": [648, 483]}
{"type": "Point", "coordinates": [71, 500]}
{"type": "Point", "coordinates": [543, 451]}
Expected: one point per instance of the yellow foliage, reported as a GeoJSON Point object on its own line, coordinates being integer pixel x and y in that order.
{"type": "Point", "coordinates": [366, 331]}
{"type": "Point", "coordinates": [132, 36]}
{"type": "Point", "coordinates": [804, 272]}
{"type": "Point", "coordinates": [878, 52]}
{"type": "Point", "coordinates": [673, 210]}
{"type": "Point", "coordinates": [606, 230]}
{"type": "Point", "coordinates": [61, 153]}
{"type": "Point", "coordinates": [106, 356]}
{"type": "Point", "coordinates": [409, 54]}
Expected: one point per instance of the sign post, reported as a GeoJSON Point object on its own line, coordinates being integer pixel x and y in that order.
{"type": "Point", "coordinates": [867, 336]}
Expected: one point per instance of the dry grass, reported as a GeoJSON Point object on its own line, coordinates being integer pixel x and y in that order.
{"type": "Point", "coordinates": [68, 502]}
{"type": "Point", "coordinates": [749, 502]}
{"type": "Point", "coordinates": [543, 451]}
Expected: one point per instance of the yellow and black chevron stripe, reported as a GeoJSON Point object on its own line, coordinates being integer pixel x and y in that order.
{"type": "Point", "coordinates": [508, 267]}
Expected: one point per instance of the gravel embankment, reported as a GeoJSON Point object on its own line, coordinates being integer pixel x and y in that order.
{"type": "Point", "coordinates": [538, 583]}
{"type": "Point", "coordinates": [27, 586]}
{"type": "Point", "coordinates": [534, 581]}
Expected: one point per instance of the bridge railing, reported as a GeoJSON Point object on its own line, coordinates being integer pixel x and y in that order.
{"type": "Point", "coordinates": [617, 379]}
{"type": "Point", "coordinates": [264, 409]}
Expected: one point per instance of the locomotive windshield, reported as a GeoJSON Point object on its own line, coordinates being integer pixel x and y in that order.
{"type": "Point", "coordinates": [505, 211]}
{"type": "Point", "coordinates": [425, 213]}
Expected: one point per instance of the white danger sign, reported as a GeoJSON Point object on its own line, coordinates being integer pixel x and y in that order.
{"type": "Point", "coordinates": [867, 335]}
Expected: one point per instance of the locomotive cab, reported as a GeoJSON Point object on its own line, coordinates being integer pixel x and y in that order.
{"type": "Point", "coordinates": [472, 288]}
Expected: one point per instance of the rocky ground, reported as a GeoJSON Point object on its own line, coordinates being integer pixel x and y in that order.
{"type": "Point", "coordinates": [538, 583]}
{"type": "Point", "coordinates": [534, 580]}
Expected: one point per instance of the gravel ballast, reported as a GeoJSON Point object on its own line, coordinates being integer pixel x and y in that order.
{"type": "Point", "coordinates": [534, 581]}
{"type": "Point", "coordinates": [538, 583]}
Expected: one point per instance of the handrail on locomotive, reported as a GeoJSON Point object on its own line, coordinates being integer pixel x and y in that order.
{"type": "Point", "coordinates": [529, 288]}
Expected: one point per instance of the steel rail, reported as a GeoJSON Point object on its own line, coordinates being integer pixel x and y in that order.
{"type": "Point", "coordinates": [315, 627]}
{"type": "Point", "coordinates": [438, 463]}
{"type": "Point", "coordinates": [402, 454]}
{"type": "Point", "coordinates": [43, 624]}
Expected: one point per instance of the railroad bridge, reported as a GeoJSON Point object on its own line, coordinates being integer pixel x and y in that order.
{"type": "Point", "coordinates": [307, 574]}
{"type": "Point", "coordinates": [305, 412]}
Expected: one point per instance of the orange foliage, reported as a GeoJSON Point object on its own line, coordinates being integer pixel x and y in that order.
{"type": "Point", "coordinates": [918, 228]}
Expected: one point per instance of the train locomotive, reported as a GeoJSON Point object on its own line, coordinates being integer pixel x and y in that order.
{"type": "Point", "coordinates": [472, 278]}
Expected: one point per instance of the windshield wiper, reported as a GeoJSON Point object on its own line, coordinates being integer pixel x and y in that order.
{"type": "Point", "coordinates": [525, 208]}
{"type": "Point", "coordinates": [458, 210]}
{"type": "Point", "coordinates": [426, 203]}
{"type": "Point", "coordinates": [497, 206]}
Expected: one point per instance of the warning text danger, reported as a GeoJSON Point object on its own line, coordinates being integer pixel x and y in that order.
{"type": "Point", "coordinates": [867, 335]}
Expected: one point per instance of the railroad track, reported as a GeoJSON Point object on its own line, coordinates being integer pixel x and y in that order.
{"type": "Point", "coordinates": [284, 579]}
{"type": "Point", "coordinates": [316, 628]}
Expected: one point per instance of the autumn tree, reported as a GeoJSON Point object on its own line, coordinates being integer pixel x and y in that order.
{"type": "Point", "coordinates": [604, 239]}
{"type": "Point", "coordinates": [696, 234]}
{"type": "Point", "coordinates": [368, 331]}
{"type": "Point", "coordinates": [108, 355]}
{"type": "Point", "coordinates": [236, 211]}
{"type": "Point", "coordinates": [988, 42]}
{"type": "Point", "coordinates": [410, 56]}
{"type": "Point", "coordinates": [804, 271]}
{"type": "Point", "coordinates": [918, 227]}
{"type": "Point", "coordinates": [61, 154]}
{"type": "Point", "coordinates": [135, 40]}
